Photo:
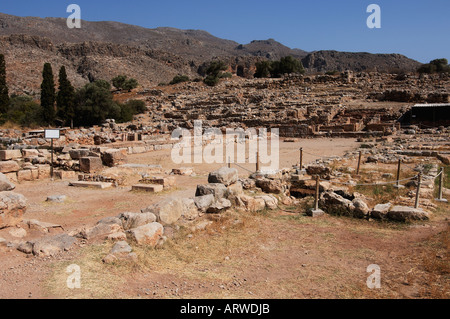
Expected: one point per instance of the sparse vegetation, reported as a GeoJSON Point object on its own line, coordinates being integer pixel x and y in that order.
{"type": "Point", "coordinates": [23, 111]}
{"type": "Point", "coordinates": [214, 72]}
{"type": "Point", "coordinates": [435, 66]}
{"type": "Point", "coordinates": [276, 69]}
{"type": "Point", "coordinates": [179, 79]}
{"type": "Point", "coordinates": [334, 72]}
{"type": "Point", "coordinates": [122, 82]}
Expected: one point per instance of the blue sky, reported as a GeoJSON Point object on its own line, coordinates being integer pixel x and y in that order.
{"type": "Point", "coordinates": [418, 29]}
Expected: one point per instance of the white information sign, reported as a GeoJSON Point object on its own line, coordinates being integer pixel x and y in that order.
{"type": "Point", "coordinates": [52, 134]}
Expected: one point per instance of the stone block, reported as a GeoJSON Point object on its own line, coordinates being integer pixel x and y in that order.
{"type": "Point", "coordinates": [6, 155]}
{"type": "Point", "coordinates": [9, 167]}
{"type": "Point", "coordinates": [91, 164]}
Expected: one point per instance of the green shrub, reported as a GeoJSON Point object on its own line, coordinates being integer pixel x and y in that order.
{"type": "Point", "coordinates": [435, 66]}
{"type": "Point", "coordinates": [212, 80]}
{"type": "Point", "coordinates": [214, 72]}
{"type": "Point", "coordinates": [179, 79]}
{"type": "Point", "coordinates": [226, 75]}
{"type": "Point", "coordinates": [121, 82]}
{"type": "Point", "coordinates": [276, 69]}
{"type": "Point", "coordinates": [23, 111]}
{"type": "Point", "coordinates": [334, 72]}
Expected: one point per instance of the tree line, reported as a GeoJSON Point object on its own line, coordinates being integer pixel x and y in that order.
{"type": "Point", "coordinates": [89, 105]}
{"type": "Point", "coordinates": [215, 70]}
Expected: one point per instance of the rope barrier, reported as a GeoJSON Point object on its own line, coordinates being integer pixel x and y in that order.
{"type": "Point", "coordinates": [377, 184]}
{"type": "Point", "coordinates": [320, 156]}
{"type": "Point", "coordinates": [434, 177]}
{"type": "Point", "coordinates": [243, 168]}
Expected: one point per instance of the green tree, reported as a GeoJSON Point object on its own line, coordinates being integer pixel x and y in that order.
{"type": "Point", "coordinates": [65, 99]}
{"type": "Point", "coordinates": [48, 95]}
{"type": "Point", "coordinates": [4, 97]}
{"type": "Point", "coordinates": [137, 106]}
{"type": "Point", "coordinates": [435, 66]}
{"type": "Point", "coordinates": [130, 84]}
{"type": "Point", "coordinates": [287, 65]}
{"type": "Point", "coordinates": [94, 104]}
{"type": "Point", "coordinates": [263, 69]}
{"type": "Point", "coordinates": [214, 72]}
{"type": "Point", "coordinates": [24, 112]}
{"type": "Point", "coordinates": [129, 109]}
{"type": "Point", "coordinates": [121, 82]}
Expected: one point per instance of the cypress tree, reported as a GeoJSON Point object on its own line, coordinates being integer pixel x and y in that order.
{"type": "Point", "coordinates": [48, 95]}
{"type": "Point", "coordinates": [65, 98]}
{"type": "Point", "coordinates": [4, 97]}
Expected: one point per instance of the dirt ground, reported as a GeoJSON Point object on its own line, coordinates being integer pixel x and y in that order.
{"type": "Point", "coordinates": [273, 254]}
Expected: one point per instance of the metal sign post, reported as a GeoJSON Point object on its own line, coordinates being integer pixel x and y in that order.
{"type": "Point", "coordinates": [52, 135]}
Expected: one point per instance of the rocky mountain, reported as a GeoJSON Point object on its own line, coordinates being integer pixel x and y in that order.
{"type": "Point", "coordinates": [106, 49]}
{"type": "Point", "coordinates": [323, 61]}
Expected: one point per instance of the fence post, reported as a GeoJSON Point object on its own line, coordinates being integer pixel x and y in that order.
{"type": "Point", "coordinates": [419, 182]}
{"type": "Point", "coordinates": [441, 185]}
{"type": "Point", "coordinates": [301, 158]}
{"type": "Point", "coordinates": [315, 212]}
{"type": "Point", "coordinates": [51, 166]}
{"type": "Point", "coordinates": [359, 163]}
{"type": "Point", "coordinates": [257, 162]}
{"type": "Point", "coordinates": [398, 175]}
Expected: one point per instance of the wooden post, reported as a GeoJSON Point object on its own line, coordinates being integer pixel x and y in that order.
{"type": "Point", "coordinates": [51, 166]}
{"type": "Point", "coordinates": [257, 162]}
{"type": "Point", "coordinates": [301, 158]}
{"type": "Point", "coordinates": [359, 163]}
{"type": "Point", "coordinates": [398, 174]}
{"type": "Point", "coordinates": [316, 198]}
{"type": "Point", "coordinates": [418, 191]}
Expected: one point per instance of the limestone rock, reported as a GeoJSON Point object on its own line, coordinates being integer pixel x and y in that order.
{"type": "Point", "coordinates": [149, 234]}
{"type": "Point", "coordinates": [56, 198]}
{"type": "Point", "coordinates": [114, 157]}
{"type": "Point", "coordinates": [252, 204]}
{"type": "Point", "coordinates": [190, 210]}
{"type": "Point", "coordinates": [270, 201]}
{"type": "Point", "coordinates": [12, 208]}
{"type": "Point", "coordinates": [204, 202]}
{"type": "Point", "coordinates": [134, 220]}
{"type": "Point", "coordinates": [167, 212]}
{"type": "Point", "coordinates": [361, 209]}
{"type": "Point", "coordinates": [50, 246]}
{"type": "Point", "coordinates": [224, 175]}
{"type": "Point", "coordinates": [380, 211]}
{"type": "Point", "coordinates": [403, 213]}
{"type": "Point", "coordinates": [218, 190]}
{"type": "Point", "coordinates": [219, 206]}
{"type": "Point", "coordinates": [235, 189]}
{"type": "Point", "coordinates": [335, 204]}
{"type": "Point", "coordinates": [270, 186]}
{"type": "Point", "coordinates": [5, 184]}
{"type": "Point", "coordinates": [9, 167]}
{"type": "Point", "coordinates": [101, 230]}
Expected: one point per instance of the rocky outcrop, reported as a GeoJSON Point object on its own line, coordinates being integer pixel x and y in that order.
{"type": "Point", "coordinates": [323, 61]}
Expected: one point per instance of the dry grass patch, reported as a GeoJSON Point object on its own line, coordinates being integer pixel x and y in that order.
{"type": "Point", "coordinates": [97, 280]}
